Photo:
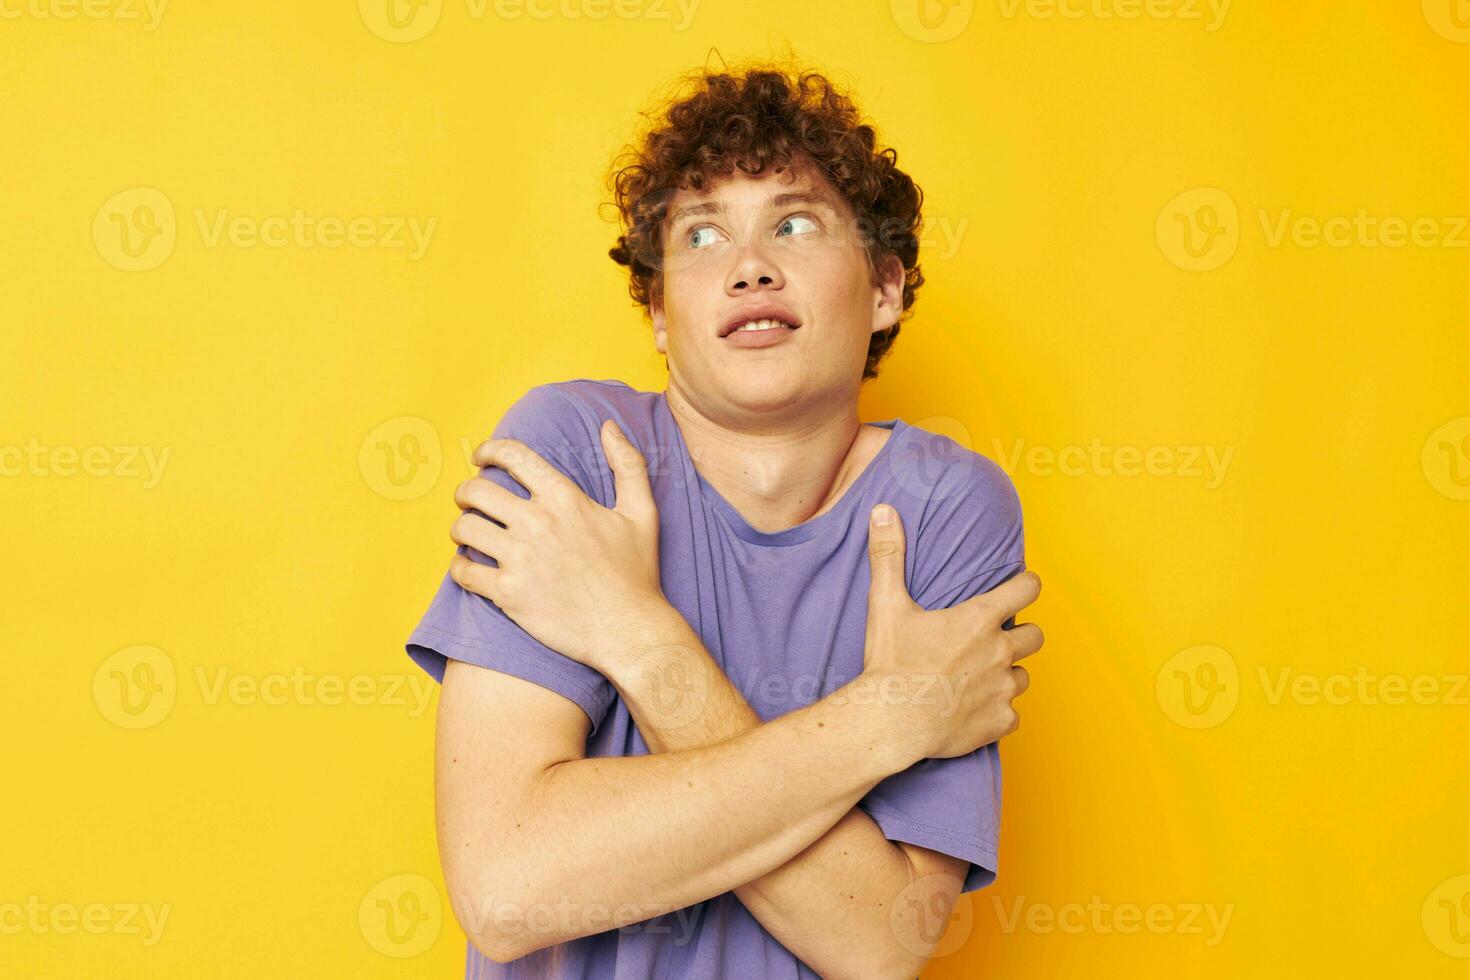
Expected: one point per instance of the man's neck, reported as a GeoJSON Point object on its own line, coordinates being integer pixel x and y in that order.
{"type": "Point", "coordinates": [778, 478]}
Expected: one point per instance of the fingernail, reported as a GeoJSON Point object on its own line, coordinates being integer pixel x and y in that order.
{"type": "Point", "coordinates": [882, 515]}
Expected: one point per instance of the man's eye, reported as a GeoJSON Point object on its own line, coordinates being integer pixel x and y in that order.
{"type": "Point", "coordinates": [795, 222]}
{"type": "Point", "coordinates": [692, 237]}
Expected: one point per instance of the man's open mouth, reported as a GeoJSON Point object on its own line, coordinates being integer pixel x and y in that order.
{"type": "Point", "coordinates": [753, 326]}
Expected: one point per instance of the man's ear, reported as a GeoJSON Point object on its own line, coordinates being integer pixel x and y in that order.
{"type": "Point", "coordinates": [660, 335]}
{"type": "Point", "coordinates": [888, 292]}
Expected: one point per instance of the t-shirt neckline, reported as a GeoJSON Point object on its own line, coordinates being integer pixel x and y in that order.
{"type": "Point", "coordinates": [806, 529]}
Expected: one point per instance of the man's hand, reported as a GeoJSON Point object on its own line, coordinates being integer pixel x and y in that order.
{"type": "Point", "coordinates": [571, 571]}
{"type": "Point", "coordinates": [949, 675]}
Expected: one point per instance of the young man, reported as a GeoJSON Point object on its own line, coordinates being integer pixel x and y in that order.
{"type": "Point", "coordinates": [703, 713]}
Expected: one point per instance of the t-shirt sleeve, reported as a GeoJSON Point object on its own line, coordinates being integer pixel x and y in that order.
{"type": "Point", "coordinates": [471, 628]}
{"type": "Point", "coordinates": [969, 539]}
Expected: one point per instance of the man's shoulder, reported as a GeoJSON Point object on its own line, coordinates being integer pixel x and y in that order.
{"type": "Point", "coordinates": [968, 514]}
{"type": "Point", "coordinates": [595, 389]}
{"type": "Point", "coordinates": [589, 398]}
{"type": "Point", "coordinates": [570, 411]}
{"type": "Point", "coordinates": [948, 475]}
{"type": "Point", "coordinates": [561, 421]}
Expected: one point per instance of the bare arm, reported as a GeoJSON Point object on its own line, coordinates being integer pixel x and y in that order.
{"type": "Point", "coordinates": [832, 905]}
{"type": "Point", "coordinates": [541, 854]}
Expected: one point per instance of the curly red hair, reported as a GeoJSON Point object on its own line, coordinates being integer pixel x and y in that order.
{"type": "Point", "coordinates": [755, 119]}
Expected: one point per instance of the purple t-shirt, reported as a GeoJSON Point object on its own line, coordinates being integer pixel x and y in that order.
{"type": "Point", "coordinates": [784, 615]}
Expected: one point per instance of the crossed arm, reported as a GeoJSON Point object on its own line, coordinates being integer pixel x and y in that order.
{"type": "Point", "coordinates": [852, 899]}
{"type": "Point", "coordinates": [724, 803]}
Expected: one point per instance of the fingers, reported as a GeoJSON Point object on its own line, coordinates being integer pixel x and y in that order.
{"type": "Point", "coordinates": [1025, 640]}
{"type": "Point", "coordinates": [886, 546]}
{"type": "Point", "coordinates": [490, 499]}
{"type": "Point", "coordinates": [630, 472]}
{"type": "Point", "coordinates": [529, 468]}
{"type": "Point", "coordinates": [486, 537]}
{"type": "Point", "coordinates": [1022, 678]}
{"type": "Point", "coordinates": [1013, 595]}
{"type": "Point", "coordinates": [472, 576]}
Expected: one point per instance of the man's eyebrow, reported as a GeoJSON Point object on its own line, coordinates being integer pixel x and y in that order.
{"type": "Point", "coordinates": [775, 200]}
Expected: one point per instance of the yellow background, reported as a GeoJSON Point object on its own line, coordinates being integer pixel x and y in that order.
{"type": "Point", "coordinates": [1059, 310]}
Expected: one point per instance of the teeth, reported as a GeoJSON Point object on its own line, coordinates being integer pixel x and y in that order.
{"type": "Point", "coordinates": [760, 325]}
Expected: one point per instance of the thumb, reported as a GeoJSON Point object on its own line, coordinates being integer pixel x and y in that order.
{"type": "Point", "coordinates": [886, 552]}
{"type": "Point", "coordinates": [630, 472]}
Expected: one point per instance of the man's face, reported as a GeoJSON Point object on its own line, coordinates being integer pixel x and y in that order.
{"type": "Point", "coordinates": [786, 238]}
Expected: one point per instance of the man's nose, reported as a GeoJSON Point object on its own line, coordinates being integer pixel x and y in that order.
{"type": "Point", "coordinates": [754, 266]}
